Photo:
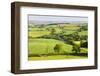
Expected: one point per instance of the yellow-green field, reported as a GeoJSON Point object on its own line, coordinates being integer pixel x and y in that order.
{"type": "Point", "coordinates": [57, 57]}
{"type": "Point", "coordinates": [41, 48]}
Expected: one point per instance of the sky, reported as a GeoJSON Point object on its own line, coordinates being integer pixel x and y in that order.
{"type": "Point", "coordinates": [43, 19]}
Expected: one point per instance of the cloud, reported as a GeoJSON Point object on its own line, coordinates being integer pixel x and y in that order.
{"type": "Point", "coordinates": [41, 19]}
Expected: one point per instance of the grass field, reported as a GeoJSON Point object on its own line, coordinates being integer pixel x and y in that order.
{"type": "Point", "coordinates": [57, 57]}
{"type": "Point", "coordinates": [43, 48]}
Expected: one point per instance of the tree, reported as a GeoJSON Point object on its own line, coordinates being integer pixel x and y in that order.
{"type": "Point", "coordinates": [84, 27]}
{"type": "Point", "coordinates": [76, 47]}
{"type": "Point", "coordinates": [57, 48]}
{"type": "Point", "coordinates": [48, 29]}
{"type": "Point", "coordinates": [53, 31]}
{"type": "Point", "coordinates": [84, 44]}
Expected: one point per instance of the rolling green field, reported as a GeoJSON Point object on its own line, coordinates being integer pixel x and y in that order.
{"type": "Point", "coordinates": [45, 46]}
{"type": "Point", "coordinates": [53, 42]}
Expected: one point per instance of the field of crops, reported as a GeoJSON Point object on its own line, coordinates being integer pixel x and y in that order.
{"type": "Point", "coordinates": [53, 42]}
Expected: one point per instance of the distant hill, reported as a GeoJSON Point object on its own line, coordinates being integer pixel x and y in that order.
{"type": "Point", "coordinates": [56, 22]}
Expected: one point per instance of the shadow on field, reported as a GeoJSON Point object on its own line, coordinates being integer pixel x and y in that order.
{"type": "Point", "coordinates": [79, 54]}
{"type": "Point", "coordinates": [70, 54]}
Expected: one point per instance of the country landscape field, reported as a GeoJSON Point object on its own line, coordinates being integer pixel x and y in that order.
{"type": "Point", "coordinates": [54, 38]}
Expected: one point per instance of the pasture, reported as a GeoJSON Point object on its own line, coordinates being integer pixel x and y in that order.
{"type": "Point", "coordinates": [50, 42]}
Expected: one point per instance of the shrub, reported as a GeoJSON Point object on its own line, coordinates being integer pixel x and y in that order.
{"type": "Point", "coordinates": [84, 37]}
{"type": "Point", "coordinates": [53, 31]}
{"type": "Point", "coordinates": [84, 44]}
{"type": "Point", "coordinates": [76, 47]}
{"type": "Point", "coordinates": [58, 48]}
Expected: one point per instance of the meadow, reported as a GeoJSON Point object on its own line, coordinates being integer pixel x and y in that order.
{"type": "Point", "coordinates": [57, 41]}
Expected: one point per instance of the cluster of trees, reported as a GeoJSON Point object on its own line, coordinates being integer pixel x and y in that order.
{"type": "Point", "coordinates": [83, 28]}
